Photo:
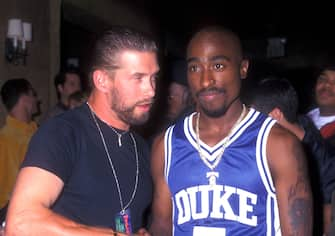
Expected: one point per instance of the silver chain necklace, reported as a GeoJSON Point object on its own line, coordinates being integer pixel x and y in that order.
{"type": "Point", "coordinates": [123, 208]}
{"type": "Point", "coordinates": [212, 175]}
{"type": "Point", "coordinates": [119, 135]}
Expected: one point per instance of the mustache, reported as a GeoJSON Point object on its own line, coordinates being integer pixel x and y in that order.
{"type": "Point", "coordinates": [210, 90]}
{"type": "Point", "coordinates": [325, 90]}
{"type": "Point", "coordinates": [145, 101]}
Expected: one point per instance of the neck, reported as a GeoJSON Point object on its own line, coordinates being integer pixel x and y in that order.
{"type": "Point", "coordinates": [64, 101]}
{"type": "Point", "coordinates": [212, 130]}
{"type": "Point", "coordinates": [20, 114]}
{"type": "Point", "coordinates": [327, 111]}
{"type": "Point", "coordinates": [104, 112]}
{"type": "Point", "coordinates": [224, 122]}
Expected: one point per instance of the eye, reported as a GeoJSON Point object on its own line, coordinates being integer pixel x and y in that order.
{"type": "Point", "coordinates": [218, 67]}
{"type": "Point", "coordinates": [194, 68]}
{"type": "Point", "coordinates": [321, 79]}
{"type": "Point", "coordinates": [138, 77]}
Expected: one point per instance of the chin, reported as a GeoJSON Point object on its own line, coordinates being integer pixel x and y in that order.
{"type": "Point", "coordinates": [215, 113]}
{"type": "Point", "coordinates": [139, 120]}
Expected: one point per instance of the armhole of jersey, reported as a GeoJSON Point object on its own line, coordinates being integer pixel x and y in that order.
{"type": "Point", "coordinates": [261, 157]}
{"type": "Point", "coordinates": [167, 151]}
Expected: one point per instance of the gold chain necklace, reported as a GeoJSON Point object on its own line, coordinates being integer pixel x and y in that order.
{"type": "Point", "coordinates": [213, 175]}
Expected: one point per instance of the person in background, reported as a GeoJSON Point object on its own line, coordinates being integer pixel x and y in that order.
{"type": "Point", "coordinates": [66, 83]}
{"type": "Point", "coordinates": [97, 167]}
{"type": "Point", "coordinates": [179, 96]}
{"type": "Point", "coordinates": [323, 115]}
{"type": "Point", "coordinates": [278, 98]}
{"type": "Point", "coordinates": [227, 169]}
{"type": "Point", "coordinates": [21, 103]}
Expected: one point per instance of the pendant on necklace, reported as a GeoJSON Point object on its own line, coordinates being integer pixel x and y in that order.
{"type": "Point", "coordinates": [212, 176]}
{"type": "Point", "coordinates": [119, 139]}
{"type": "Point", "coordinates": [123, 222]}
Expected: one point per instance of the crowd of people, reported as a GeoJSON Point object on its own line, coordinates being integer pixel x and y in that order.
{"type": "Point", "coordinates": [217, 165]}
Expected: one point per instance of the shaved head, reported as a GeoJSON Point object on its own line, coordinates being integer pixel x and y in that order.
{"type": "Point", "coordinates": [225, 36]}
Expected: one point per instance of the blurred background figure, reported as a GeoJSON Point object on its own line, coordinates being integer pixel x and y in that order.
{"type": "Point", "coordinates": [66, 83]}
{"type": "Point", "coordinates": [77, 98]}
{"type": "Point", "coordinates": [323, 115]}
{"type": "Point", "coordinates": [21, 103]}
{"type": "Point", "coordinates": [180, 102]}
{"type": "Point", "coordinates": [278, 98]}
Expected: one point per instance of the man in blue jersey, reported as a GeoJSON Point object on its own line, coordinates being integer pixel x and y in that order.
{"type": "Point", "coordinates": [227, 169]}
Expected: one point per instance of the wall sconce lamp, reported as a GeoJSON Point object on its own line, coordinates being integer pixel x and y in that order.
{"type": "Point", "coordinates": [17, 35]}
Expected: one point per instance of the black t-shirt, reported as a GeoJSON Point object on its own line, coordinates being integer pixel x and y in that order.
{"type": "Point", "coordinates": [70, 146]}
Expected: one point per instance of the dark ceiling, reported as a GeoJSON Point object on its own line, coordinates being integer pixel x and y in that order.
{"type": "Point", "coordinates": [307, 26]}
{"type": "Point", "coordinates": [251, 20]}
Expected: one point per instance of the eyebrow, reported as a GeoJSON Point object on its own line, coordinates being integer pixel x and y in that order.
{"type": "Point", "coordinates": [214, 58]}
{"type": "Point", "coordinates": [144, 74]}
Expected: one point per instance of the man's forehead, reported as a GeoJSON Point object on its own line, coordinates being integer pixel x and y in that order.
{"type": "Point", "coordinates": [218, 43]}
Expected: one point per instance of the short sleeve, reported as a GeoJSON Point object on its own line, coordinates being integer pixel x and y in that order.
{"type": "Point", "coordinates": [53, 148]}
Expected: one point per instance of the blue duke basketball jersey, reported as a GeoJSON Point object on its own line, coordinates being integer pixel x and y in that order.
{"type": "Point", "coordinates": [235, 198]}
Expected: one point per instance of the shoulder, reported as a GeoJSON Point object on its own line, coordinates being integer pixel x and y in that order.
{"type": "Point", "coordinates": [67, 124]}
{"type": "Point", "coordinates": [158, 140]}
{"type": "Point", "coordinates": [283, 148]}
{"type": "Point", "coordinates": [70, 117]}
{"type": "Point", "coordinates": [280, 136]}
{"type": "Point", "coordinates": [283, 144]}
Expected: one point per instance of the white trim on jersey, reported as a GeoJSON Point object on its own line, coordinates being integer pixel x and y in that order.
{"type": "Point", "coordinates": [211, 152]}
{"type": "Point", "coordinates": [261, 156]}
{"type": "Point", "coordinates": [272, 213]}
{"type": "Point", "coordinates": [167, 163]}
{"type": "Point", "coordinates": [167, 152]}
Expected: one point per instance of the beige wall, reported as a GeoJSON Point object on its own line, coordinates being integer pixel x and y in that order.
{"type": "Point", "coordinates": [43, 59]}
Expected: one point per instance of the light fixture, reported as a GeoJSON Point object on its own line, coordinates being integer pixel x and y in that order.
{"type": "Point", "coordinates": [18, 34]}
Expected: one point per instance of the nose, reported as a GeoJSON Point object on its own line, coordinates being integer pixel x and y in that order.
{"type": "Point", "coordinates": [150, 87]}
{"type": "Point", "coordinates": [207, 78]}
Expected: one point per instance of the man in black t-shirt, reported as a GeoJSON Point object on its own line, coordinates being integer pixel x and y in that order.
{"type": "Point", "coordinates": [86, 172]}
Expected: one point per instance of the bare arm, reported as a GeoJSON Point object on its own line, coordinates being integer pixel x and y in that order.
{"type": "Point", "coordinates": [29, 211]}
{"type": "Point", "coordinates": [162, 205]}
{"type": "Point", "coordinates": [289, 170]}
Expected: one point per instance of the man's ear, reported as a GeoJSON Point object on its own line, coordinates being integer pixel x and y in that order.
{"type": "Point", "coordinates": [60, 88]}
{"type": "Point", "coordinates": [277, 114]}
{"type": "Point", "coordinates": [244, 68]}
{"type": "Point", "coordinates": [100, 80]}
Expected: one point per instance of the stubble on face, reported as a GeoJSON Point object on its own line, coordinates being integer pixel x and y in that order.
{"type": "Point", "coordinates": [131, 87]}
{"type": "Point", "coordinates": [206, 48]}
{"type": "Point", "coordinates": [127, 113]}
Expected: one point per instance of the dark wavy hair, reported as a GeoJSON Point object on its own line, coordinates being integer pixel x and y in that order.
{"type": "Point", "coordinates": [12, 90]}
{"type": "Point", "coordinates": [116, 40]}
{"type": "Point", "coordinates": [272, 92]}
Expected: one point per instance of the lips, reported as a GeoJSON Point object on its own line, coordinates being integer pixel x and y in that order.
{"type": "Point", "coordinates": [145, 106]}
{"type": "Point", "coordinates": [325, 94]}
{"type": "Point", "coordinates": [210, 94]}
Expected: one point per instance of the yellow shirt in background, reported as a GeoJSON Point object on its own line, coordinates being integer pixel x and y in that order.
{"type": "Point", "coordinates": [14, 139]}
